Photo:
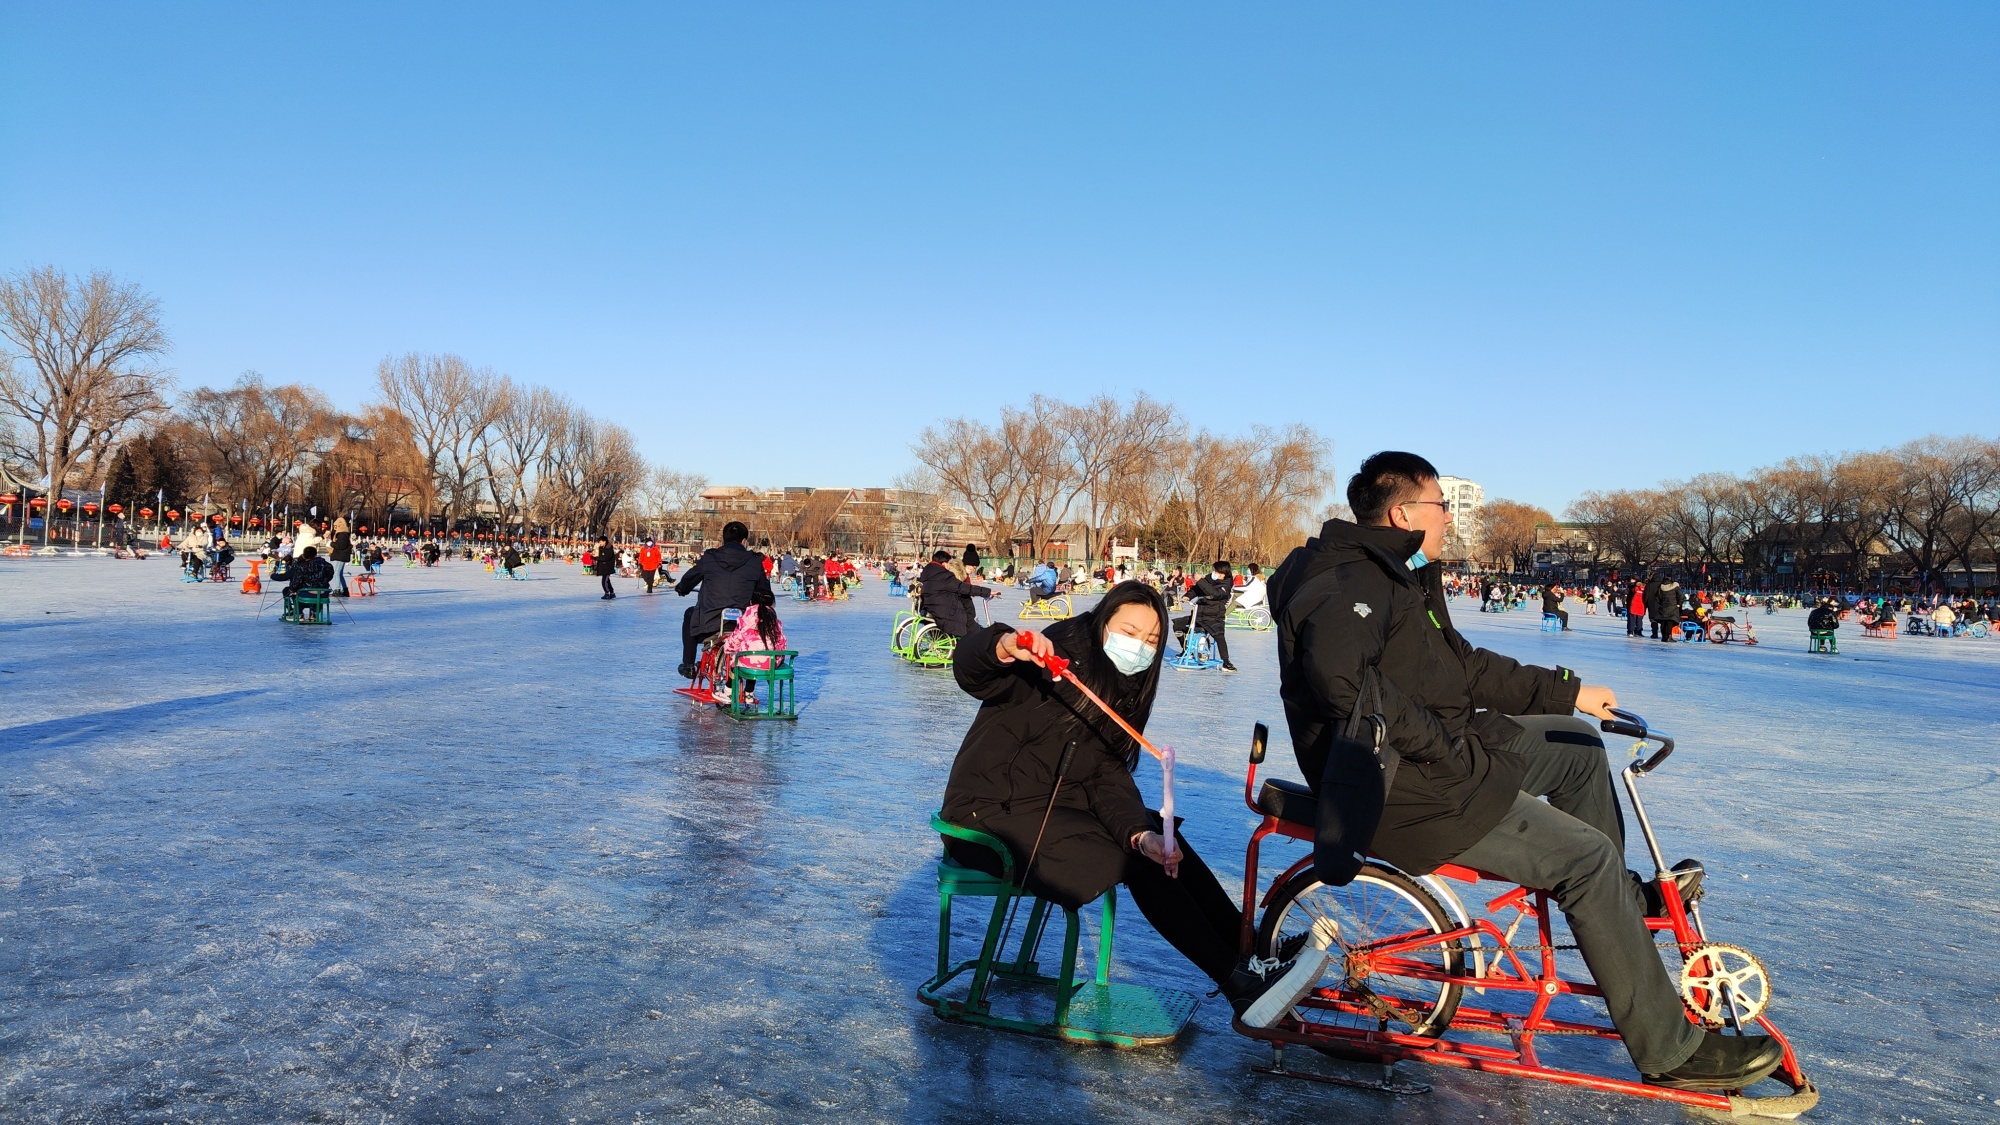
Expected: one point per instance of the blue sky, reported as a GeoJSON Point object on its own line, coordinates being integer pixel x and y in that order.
{"type": "Point", "coordinates": [1554, 247]}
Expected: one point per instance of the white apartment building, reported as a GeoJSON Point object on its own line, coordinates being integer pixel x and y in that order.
{"type": "Point", "coordinates": [1465, 498]}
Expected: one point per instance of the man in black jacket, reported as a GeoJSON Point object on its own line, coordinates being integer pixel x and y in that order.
{"type": "Point", "coordinates": [1211, 611]}
{"type": "Point", "coordinates": [1365, 595]}
{"type": "Point", "coordinates": [730, 576]}
{"type": "Point", "coordinates": [947, 599]}
{"type": "Point", "coordinates": [1663, 605]}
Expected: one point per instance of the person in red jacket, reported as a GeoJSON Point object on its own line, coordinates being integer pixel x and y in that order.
{"type": "Point", "coordinates": [649, 564]}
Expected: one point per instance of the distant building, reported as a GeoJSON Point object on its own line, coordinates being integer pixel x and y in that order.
{"type": "Point", "coordinates": [1464, 498]}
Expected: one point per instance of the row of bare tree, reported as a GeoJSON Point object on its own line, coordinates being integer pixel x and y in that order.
{"type": "Point", "coordinates": [83, 402]}
{"type": "Point", "coordinates": [1133, 469]}
{"type": "Point", "coordinates": [1918, 509]}
{"type": "Point", "coordinates": [445, 442]}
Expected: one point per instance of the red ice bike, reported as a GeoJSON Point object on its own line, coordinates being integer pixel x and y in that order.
{"type": "Point", "coordinates": [1408, 952]}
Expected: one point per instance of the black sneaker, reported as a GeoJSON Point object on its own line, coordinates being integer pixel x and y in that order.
{"type": "Point", "coordinates": [1724, 1062]}
{"type": "Point", "coordinates": [1227, 667]}
{"type": "Point", "coordinates": [686, 671]}
{"type": "Point", "coordinates": [1688, 876]}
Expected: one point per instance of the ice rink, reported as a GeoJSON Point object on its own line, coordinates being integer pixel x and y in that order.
{"type": "Point", "coordinates": [463, 857]}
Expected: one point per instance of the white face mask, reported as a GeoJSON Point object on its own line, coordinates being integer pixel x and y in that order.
{"type": "Point", "coordinates": [1129, 654]}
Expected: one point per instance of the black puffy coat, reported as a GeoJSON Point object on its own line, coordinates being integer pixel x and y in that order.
{"type": "Point", "coordinates": [1005, 771]}
{"type": "Point", "coordinates": [603, 560]}
{"type": "Point", "coordinates": [1663, 600]}
{"type": "Point", "coordinates": [343, 546]}
{"type": "Point", "coordinates": [309, 574]}
{"type": "Point", "coordinates": [729, 577]}
{"type": "Point", "coordinates": [1346, 600]}
{"type": "Point", "coordinates": [947, 599]}
{"type": "Point", "coordinates": [1212, 607]}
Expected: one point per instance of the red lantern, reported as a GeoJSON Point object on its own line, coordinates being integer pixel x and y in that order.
{"type": "Point", "coordinates": [90, 507]}
{"type": "Point", "coordinates": [64, 504]}
{"type": "Point", "coordinates": [39, 502]}
{"type": "Point", "coordinates": [116, 509]}
{"type": "Point", "coordinates": [146, 513]}
{"type": "Point", "coordinates": [9, 498]}
{"type": "Point", "coordinates": [256, 521]}
{"type": "Point", "coordinates": [237, 519]}
{"type": "Point", "coordinates": [173, 514]}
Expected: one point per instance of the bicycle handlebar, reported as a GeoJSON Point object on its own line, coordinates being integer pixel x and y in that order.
{"type": "Point", "coordinates": [1633, 725]}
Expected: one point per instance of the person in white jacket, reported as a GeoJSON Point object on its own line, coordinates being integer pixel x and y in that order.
{"type": "Point", "coordinates": [194, 549]}
{"type": "Point", "coordinates": [1252, 595]}
{"type": "Point", "coordinates": [304, 536]}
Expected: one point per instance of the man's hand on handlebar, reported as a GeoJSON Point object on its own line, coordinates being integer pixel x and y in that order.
{"type": "Point", "coordinates": [1023, 644]}
{"type": "Point", "coordinates": [1593, 699]}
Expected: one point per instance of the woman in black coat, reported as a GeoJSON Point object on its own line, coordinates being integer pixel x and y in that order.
{"type": "Point", "coordinates": [604, 564]}
{"type": "Point", "coordinates": [1099, 832]}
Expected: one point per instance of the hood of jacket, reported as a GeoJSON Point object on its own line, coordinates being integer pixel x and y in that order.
{"type": "Point", "coordinates": [730, 556]}
{"type": "Point", "coordinates": [1341, 541]}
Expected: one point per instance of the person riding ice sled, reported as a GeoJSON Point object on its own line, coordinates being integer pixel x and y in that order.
{"type": "Point", "coordinates": [1051, 777]}
{"type": "Point", "coordinates": [1472, 741]}
{"type": "Point", "coordinates": [729, 577]}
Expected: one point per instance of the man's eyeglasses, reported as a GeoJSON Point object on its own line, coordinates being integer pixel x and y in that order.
{"type": "Point", "coordinates": [1445, 504]}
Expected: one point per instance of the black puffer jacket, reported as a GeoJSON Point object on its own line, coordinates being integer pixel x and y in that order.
{"type": "Point", "coordinates": [947, 599]}
{"type": "Point", "coordinates": [1006, 766]}
{"type": "Point", "coordinates": [1346, 600]}
{"type": "Point", "coordinates": [1663, 601]}
{"type": "Point", "coordinates": [1212, 607]}
{"type": "Point", "coordinates": [729, 576]}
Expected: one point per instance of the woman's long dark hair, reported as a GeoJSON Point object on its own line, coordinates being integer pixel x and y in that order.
{"type": "Point", "coordinates": [1081, 639]}
{"type": "Point", "coordinates": [767, 618]}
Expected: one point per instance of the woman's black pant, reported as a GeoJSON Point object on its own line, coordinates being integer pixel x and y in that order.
{"type": "Point", "coordinates": [607, 585]}
{"type": "Point", "coordinates": [1078, 861]}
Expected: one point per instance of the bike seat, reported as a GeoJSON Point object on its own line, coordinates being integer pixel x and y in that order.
{"type": "Point", "coordinates": [1289, 801]}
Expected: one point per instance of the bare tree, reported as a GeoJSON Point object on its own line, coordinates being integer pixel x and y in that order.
{"type": "Point", "coordinates": [1631, 522]}
{"type": "Point", "coordinates": [88, 349]}
{"type": "Point", "coordinates": [1289, 476]}
{"type": "Point", "coordinates": [451, 408]}
{"type": "Point", "coordinates": [1048, 480]}
{"type": "Point", "coordinates": [977, 470]}
{"type": "Point", "coordinates": [1507, 531]}
{"type": "Point", "coordinates": [1108, 446]}
{"type": "Point", "coordinates": [257, 442]}
{"type": "Point", "coordinates": [922, 510]}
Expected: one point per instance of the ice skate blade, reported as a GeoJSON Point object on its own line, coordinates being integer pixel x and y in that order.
{"type": "Point", "coordinates": [1402, 1086]}
{"type": "Point", "coordinates": [1782, 1107]}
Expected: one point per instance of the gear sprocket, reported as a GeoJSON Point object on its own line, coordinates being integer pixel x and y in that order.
{"type": "Point", "coordinates": [1719, 981]}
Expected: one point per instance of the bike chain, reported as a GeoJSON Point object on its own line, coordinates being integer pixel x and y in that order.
{"type": "Point", "coordinates": [1384, 1010]}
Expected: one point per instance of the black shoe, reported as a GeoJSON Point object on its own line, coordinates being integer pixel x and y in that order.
{"type": "Point", "coordinates": [1228, 667]}
{"type": "Point", "coordinates": [1724, 1062]}
{"type": "Point", "coordinates": [1688, 876]}
{"type": "Point", "coordinates": [686, 671]}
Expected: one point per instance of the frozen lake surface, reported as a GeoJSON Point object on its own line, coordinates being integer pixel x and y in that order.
{"type": "Point", "coordinates": [462, 857]}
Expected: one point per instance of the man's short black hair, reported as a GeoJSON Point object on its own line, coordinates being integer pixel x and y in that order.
{"type": "Point", "coordinates": [1385, 480]}
{"type": "Point", "coordinates": [940, 556]}
{"type": "Point", "coordinates": [734, 532]}
{"type": "Point", "coordinates": [1222, 566]}
{"type": "Point", "coordinates": [309, 553]}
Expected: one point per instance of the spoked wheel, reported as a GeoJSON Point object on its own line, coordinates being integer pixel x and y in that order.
{"type": "Point", "coordinates": [905, 636]}
{"type": "Point", "coordinates": [932, 645]}
{"type": "Point", "coordinates": [1361, 987]}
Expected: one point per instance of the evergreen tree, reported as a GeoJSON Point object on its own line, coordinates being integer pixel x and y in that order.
{"type": "Point", "coordinates": [122, 486]}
